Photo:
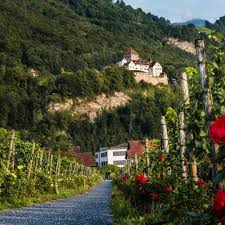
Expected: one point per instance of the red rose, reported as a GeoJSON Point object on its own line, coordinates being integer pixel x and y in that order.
{"type": "Point", "coordinates": [125, 178]}
{"type": "Point", "coordinates": [154, 196]}
{"type": "Point", "coordinates": [138, 177]}
{"type": "Point", "coordinates": [141, 179]}
{"type": "Point", "coordinates": [161, 157]}
{"type": "Point", "coordinates": [168, 189]}
{"type": "Point", "coordinates": [217, 130]}
{"type": "Point", "coordinates": [219, 204]}
{"type": "Point", "coordinates": [200, 181]}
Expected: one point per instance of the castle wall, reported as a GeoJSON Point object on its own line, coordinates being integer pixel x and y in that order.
{"type": "Point", "coordinates": [150, 79]}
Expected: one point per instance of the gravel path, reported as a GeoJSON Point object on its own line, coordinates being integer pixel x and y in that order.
{"type": "Point", "coordinates": [91, 208]}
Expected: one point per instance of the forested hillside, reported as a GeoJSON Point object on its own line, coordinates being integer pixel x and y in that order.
{"type": "Point", "coordinates": [82, 37]}
{"type": "Point", "coordinates": [219, 25]}
{"type": "Point", "coordinates": [76, 34]}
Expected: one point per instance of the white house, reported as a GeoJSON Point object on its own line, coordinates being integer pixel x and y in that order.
{"type": "Point", "coordinates": [115, 155]}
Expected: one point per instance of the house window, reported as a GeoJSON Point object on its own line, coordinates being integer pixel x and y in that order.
{"type": "Point", "coordinates": [104, 154]}
{"type": "Point", "coordinates": [119, 162]}
{"type": "Point", "coordinates": [96, 156]}
{"type": "Point", "coordinates": [122, 153]}
{"type": "Point", "coordinates": [104, 163]}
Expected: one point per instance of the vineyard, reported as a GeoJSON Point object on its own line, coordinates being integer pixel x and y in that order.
{"type": "Point", "coordinates": [180, 179]}
{"type": "Point", "coordinates": [30, 173]}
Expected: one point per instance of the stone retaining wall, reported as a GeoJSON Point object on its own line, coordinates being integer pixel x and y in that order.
{"type": "Point", "coordinates": [151, 80]}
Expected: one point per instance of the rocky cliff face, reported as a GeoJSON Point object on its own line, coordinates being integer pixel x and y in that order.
{"type": "Point", "coordinates": [184, 45]}
{"type": "Point", "coordinates": [84, 107]}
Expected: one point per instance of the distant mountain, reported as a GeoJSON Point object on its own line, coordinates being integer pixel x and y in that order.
{"type": "Point", "coordinates": [196, 22]}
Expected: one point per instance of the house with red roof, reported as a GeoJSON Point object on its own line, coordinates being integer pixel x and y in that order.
{"type": "Point", "coordinates": [138, 148]}
{"type": "Point", "coordinates": [121, 154]}
{"type": "Point", "coordinates": [84, 158]}
{"type": "Point", "coordinates": [135, 148]}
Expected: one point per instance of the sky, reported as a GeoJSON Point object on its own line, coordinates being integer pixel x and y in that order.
{"type": "Point", "coordinates": [182, 10]}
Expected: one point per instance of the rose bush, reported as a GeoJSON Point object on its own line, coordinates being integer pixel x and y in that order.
{"type": "Point", "coordinates": [219, 205]}
{"type": "Point", "coordinates": [217, 130]}
{"type": "Point", "coordinates": [141, 179]}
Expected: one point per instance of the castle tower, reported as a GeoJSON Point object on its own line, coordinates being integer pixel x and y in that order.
{"type": "Point", "coordinates": [131, 55]}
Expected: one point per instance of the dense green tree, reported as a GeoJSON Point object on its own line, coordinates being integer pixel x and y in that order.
{"type": "Point", "coordinates": [70, 45]}
{"type": "Point", "coordinates": [77, 34]}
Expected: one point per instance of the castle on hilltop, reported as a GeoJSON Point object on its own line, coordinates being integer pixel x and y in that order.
{"type": "Point", "coordinates": [147, 70]}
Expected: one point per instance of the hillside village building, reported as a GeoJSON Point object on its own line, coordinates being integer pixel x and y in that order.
{"type": "Point", "coordinates": [120, 155]}
{"type": "Point", "coordinates": [83, 158]}
{"type": "Point", "coordinates": [115, 155]}
{"type": "Point", "coordinates": [147, 70]}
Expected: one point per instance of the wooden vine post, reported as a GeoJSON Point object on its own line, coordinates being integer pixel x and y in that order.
{"type": "Point", "coordinates": [188, 136]}
{"type": "Point", "coordinates": [41, 158]}
{"type": "Point", "coordinates": [11, 149]}
{"type": "Point", "coordinates": [165, 138]}
{"type": "Point", "coordinates": [37, 161]}
{"type": "Point", "coordinates": [74, 168]}
{"type": "Point", "coordinates": [57, 174]}
{"type": "Point", "coordinates": [128, 167]}
{"type": "Point", "coordinates": [50, 165]}
{"type": "Point", "coordinates": [147, 155]}
{"type": "Point", "coordinates": [66, 170]}
{"type": "Point", "coordinates": [31, 161]}
{"type": "Point", "coordinates": [207, 97]}
{"type": "Point", "coordinates": [59, 167]}
{"type": "Point", "coordinates": [13, 156]}
{"type": "Point", "coordinates": [48, 160]}
{"type": "Point", "coordinates": [136, 162]}
{"type": "Point", "coordinates": [182, 139]}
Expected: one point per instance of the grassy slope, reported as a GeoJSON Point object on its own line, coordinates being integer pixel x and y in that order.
{"type": "Point", "coordinates": [204, 30]}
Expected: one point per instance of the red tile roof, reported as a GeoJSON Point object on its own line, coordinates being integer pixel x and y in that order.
{"type": "Point", "coordinates": [138, 148]}
{"type": "Point", "coordinates": [135, 148]}
{"type": "Point", "coordinates": [85, 158]}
